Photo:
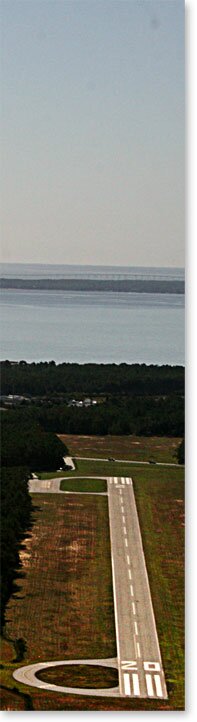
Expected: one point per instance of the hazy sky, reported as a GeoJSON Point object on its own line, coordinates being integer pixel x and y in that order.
{"type": "Point", "coordinates": [93, 124]}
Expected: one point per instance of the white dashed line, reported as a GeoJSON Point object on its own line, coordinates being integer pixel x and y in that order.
{"type": "Point", "coordinates": [125, 531]}
{"type": "Point", "coordinates": [122, 509]}
{"type": "Point", "coordinates": [131, 589]}
{"type": "Point", "coordinates": [138, 650]}
{"type": "Point", "coordinates": [136, 627]}
{"type": "Point", "coordinates": [128, 560]}
{"type": "Point", "coordinates": [123, 519]}
{"type": "Point", "coordinates": [134, 609]}
{"type": "Point", "coordinates": [126, 542]}
{"type": "Point", "coordinates": [129, 573]}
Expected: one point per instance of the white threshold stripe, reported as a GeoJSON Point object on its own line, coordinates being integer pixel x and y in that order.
{"type": "Point", "coordinates": [127, 686]}
{"type": "Point", "coordinates": [115, 480]}
{"type": "Point", "coordinates": [149, 684]}
{"type": "Point", "coordinates": [127, 481]}
{"type": "Point", "coordinates": [158, 685]}
{"type": "Point", "coordinates": [122, 480]}
{"type": "Point", "coordinates": [136, 687]}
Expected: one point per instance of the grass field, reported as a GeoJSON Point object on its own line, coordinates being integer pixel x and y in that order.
{"type": "Point", "coordinates": [138, 448]}
{"type": "Point", "coordinates": [80, 676]}
{"type": "Point", "coordinates": [84, 485]}
{"type": "Point", "coordinates": [64, 606]}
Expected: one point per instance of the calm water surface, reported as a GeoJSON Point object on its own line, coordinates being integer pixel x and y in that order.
{"type": "Point", "coordinates": [92, 327]}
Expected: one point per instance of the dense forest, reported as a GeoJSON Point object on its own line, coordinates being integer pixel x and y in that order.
{"type": "Point", "coordinates": [25, 447]}
{"type": "Point", "coordinates": [15, 520]}
{"type": "Point", "coordinates": [38, 379]}
{"type": "Point", "coordinates": [25, 441]}
{"type": "Point", "coordinates": [27, 431]}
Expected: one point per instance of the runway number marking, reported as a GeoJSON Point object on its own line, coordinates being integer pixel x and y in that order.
{"type": "Point", "coordinates": [152, 667]}
{"type": "Point", "coordinates": [129, 665]}
{"type": "Point", "coordinates": [153, 681]}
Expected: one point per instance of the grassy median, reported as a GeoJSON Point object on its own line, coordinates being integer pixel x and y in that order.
{"type": "Point", "coordinates": [84, 485]}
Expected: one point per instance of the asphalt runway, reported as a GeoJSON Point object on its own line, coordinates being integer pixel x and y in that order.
{"type": "Point", "coordinates": [139, 659]}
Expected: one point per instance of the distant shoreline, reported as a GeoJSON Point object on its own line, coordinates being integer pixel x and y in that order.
{"type": "Point", "coordinates": [91, 285]}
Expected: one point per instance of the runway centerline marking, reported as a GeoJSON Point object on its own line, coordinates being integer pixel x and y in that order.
{"type": "Point", "coordinates": [128, 559]}
{"type": "Point", "coordinates": [123, 519]}
{"type": "Point", "coordinates": [125, 531]}
{"type": "Point", "coordinates": [126, 542]}
{"type": "Point", "coordinates": [138, 650]}
{"type": "Point", "coordinates": [133, 606]}
{"type": "Point", "coordinates": [129, 573]}
{"type": "Point", "coordinates": [131, 589]}
{"type": "Point", "coordinates": [136, 627]}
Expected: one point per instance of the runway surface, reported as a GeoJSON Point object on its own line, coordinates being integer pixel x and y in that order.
{"type": "Point", "coordinates": [139, 659]}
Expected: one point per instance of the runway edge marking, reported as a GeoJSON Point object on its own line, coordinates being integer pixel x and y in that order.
{"type": "Point", "coordinates": [165, 696]}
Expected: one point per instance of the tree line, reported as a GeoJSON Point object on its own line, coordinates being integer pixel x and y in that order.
{"type": "Point", "coordinates": [24, 442]}
{"type": "Point", "coordinates": [24, 439]}
{"type": "Point", "coordinates": [16, 507]}
{"type": "Point", "coordinates": [46, 378]}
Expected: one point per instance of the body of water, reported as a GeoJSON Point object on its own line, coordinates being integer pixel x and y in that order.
{"type": "Point", "coordinates": [92, 327]}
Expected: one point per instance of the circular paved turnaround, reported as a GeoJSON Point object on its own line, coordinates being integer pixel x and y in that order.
{"type": "Point", "coordinates": [27, 675]}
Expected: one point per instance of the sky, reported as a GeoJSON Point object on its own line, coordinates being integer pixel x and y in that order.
{"type": "Point", "coordinates": [93, 132]}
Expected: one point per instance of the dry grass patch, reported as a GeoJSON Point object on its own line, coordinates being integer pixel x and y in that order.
{"type": "Point", "coordinates": [80, 676]}
{"type": "Point", "coordinates": [138, 448]}
{"type": "Point", "coordinates": [64, 605]}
